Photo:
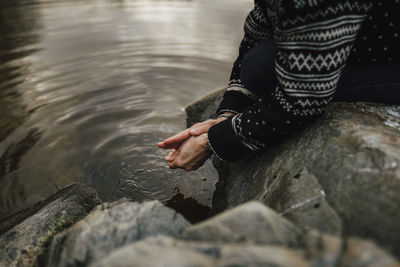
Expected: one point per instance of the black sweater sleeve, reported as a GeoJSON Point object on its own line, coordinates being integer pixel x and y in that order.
{"type": "Point", "coordinates": [313, 40]}
{"type": "Point", "coordinates": [256, 29]}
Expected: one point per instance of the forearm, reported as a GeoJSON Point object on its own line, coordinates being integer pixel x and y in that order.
{"type": "Point", "coordinates": [257, 28]}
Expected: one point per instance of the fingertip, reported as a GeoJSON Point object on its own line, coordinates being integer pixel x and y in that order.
{"type": "Point", "coordinates": [160, 144]}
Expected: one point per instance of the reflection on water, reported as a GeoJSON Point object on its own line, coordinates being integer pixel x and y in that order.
{"type": "Point", "coordinates": [87, 88]}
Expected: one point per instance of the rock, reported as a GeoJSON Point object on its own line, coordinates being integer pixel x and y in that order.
{"type": "Point", "coordinates": [24, 243]}
{"type": "Point", "coordinates": [165, 251]}
{"type": "Point", "coordinates": [322, 249]}
{"type": "Point", "coordinates": [251, 222]}
{"type": "Point", "coordinates": [303, 201]}
{"type": "Point", "coordinates": [230, 239]}
{"type": "Point", "coordinates": [155, 251]}
{"type": "Point", "coordinates": [204, 109]}
{"type": "Point", "coordinates": [361, 253]}
{"type": "Point", "coordinates": [255, 223]}
{"type": "Point", "coordinates": [341, 174]}
{"type": "Point", "coordinates": [111, 226]}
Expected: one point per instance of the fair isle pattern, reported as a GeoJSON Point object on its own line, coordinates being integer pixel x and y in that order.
{"type": "Point", "coordinates": [314, 39]}
{"type": "Point", "coordinates": [340, 7]}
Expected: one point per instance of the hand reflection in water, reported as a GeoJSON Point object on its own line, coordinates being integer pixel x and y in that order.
{"type": "Point", "coordinates": [190, 147]}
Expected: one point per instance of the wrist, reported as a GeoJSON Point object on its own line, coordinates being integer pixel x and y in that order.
{"type": "Point", "coordinates": [224, 116]}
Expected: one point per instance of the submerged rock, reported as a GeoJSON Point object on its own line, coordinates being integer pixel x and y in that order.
{"type": "Point", "coordinates": [340, 175]}
{"type": "Point", "coordinates": [24, 243]}
{"type": "Point", "coordinates": [111, 226]}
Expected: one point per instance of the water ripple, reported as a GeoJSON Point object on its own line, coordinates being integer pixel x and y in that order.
{"type": "Point", "coordinates": [103, 81]}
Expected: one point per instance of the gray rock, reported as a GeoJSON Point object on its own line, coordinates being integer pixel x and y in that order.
{"type": "Point", "coordinates": [350, 158]}
{"type": "Point", "coordinates": [322, 249]}
{"type": "Point", "coordinates": [155, 251]}
{"type": "Point", "coordinates": [111, 226]}
{"type": "Point", "coordinates": [204, 109]}
{"type": "Point", "coordinates": [25, 243]}
{"type": "Point", "coordinates": [165, 251]}
{"type": "Point", "coordinates": [251, 222]}
{"type": "Point", "coordinates": [361, 253]}
{"type": "Point", "coordinates": [255, 223]}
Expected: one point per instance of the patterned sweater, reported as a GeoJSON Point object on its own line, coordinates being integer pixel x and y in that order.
{"type": "Point", "coordinates": [314, 39]}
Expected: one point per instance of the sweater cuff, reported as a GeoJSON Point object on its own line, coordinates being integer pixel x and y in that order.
{"type": "Point", "coordinates": [234, 102]}
{"type": "Point", "coordinates": [224, 142]}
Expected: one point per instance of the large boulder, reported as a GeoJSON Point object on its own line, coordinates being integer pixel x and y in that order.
{"type": "Point", "coordinates": [230, 239]}
{"type": "Point", "coordinates": [250, 222]}
{"type": "Point", "coordinates": [256, 224]}
{"type": "Point", "coordinates": [27, 234]}
{"type": "Point", "coordinates": [168, 252]}
{"type": "Point", "coordinates": [340, 174]}
{"type": "Point", "coordinates": [110, 226]}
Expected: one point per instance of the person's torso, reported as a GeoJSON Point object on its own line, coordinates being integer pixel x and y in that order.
{"type": "Point", "coordinates": [378, 39]}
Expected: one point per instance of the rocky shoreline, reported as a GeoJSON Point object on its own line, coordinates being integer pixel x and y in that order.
{"type": "Point", "coordinates": [327, 196]}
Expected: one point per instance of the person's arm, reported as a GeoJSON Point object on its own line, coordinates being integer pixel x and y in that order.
{"type": "Point", "coordinates": [236, 98]}
{"type": "Point", "coordinates": [313, 42]}
{"type": "Point", "coordinates": [256, 29]}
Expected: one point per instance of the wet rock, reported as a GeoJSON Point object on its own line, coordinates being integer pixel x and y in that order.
{"type": "Point", "coordinates": [251, 222]}
{"type": "Point", "coordinates": [24, 243]}
{"type": "Point", "coordinates": [111, 226]}
{"type": "Point", "coordinates": [165, 251]}
{"type": "Point", "coordinates": [192, 210]}
{"type": "Point", "coordinates": [341, 174]}
{"type": "Point", "coordinates": [365, 253]}
{"type": "Point", "coordinates": [203, 109]}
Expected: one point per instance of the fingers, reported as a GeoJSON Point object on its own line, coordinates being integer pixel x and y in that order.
{"type": "Point", "coordinates": [190, 156]}
{"type": "Point", "coordinates": [200, 130]}
{"type": "Point", "coordinates": [197, 129]}
{"type": "Point", "coordinates": [172, 155]}
{"type": "Point", "coordinates": [203, 127]}
{"type": "Point", "coordinates": [175, 141]}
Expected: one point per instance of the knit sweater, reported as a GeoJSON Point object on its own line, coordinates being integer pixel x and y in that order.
{"type": "Point", "coordinates": [314, 40]}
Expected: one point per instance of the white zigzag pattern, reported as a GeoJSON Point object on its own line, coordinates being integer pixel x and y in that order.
{"type": "Point", "coordinates": [322, 36]}
{"type": "Point", "coordinates": [330, 10]}
{"type": "Point", "coordinates": [257, 31]}
{"type": "Point", "coordinates": [310, 103]}
{"type": "Point", "coordinates": [309, 87]}
{"type": "Point", "coordinates": [311, 62]}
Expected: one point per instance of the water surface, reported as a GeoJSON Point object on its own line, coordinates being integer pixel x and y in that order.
{"type": "Point", "coordinates": [87, 88]}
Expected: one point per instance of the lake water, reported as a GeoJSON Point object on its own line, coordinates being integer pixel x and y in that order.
{"type": "Point", "coordinates": [87, 88]}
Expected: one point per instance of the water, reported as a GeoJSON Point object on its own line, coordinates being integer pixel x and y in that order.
{"type": "Point", "coordinates": [87, 88]}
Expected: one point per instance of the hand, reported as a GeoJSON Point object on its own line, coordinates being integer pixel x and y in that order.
{"type": "Point", "coordinates": [191, 154]}
{"type": "Point", "coordinates": [197, 129]}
